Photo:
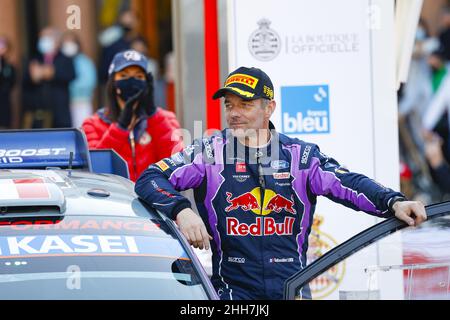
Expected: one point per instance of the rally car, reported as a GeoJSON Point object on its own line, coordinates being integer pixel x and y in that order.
{"type": "Point", "coordinates": [70, 229]}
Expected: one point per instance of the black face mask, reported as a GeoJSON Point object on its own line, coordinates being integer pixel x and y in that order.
{"type": "Point", "coordinates": [126, 28]}
{"type": "Point", "coordinates": [130, 87]}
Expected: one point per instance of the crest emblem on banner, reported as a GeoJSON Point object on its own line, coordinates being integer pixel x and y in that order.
{"type": "Point", "coordinates": [320, 243]}
{"type": "Point", "coordinates": [264, 44]}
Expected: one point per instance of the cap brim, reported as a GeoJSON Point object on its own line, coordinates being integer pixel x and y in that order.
{"type": "Point", "coordinates": [128, 64]}
{"type": "Point", "coordinates": [222, 91]}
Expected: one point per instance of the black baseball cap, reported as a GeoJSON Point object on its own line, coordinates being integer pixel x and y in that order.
{"type": "Point", "coordinates": [248, 84]}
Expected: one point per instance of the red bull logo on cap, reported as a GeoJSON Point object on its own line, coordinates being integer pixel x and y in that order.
{"type": "Point", "coordinates": [251, 201]}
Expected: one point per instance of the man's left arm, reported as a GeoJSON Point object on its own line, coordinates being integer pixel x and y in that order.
{"type": "Point", "coordinates": [359, 192]}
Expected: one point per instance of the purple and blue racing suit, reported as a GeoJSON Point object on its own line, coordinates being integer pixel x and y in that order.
{"type": "Point", "coordinates": [257, 204]}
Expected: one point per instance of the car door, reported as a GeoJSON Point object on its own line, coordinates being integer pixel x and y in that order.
{"type": "Point", "coordinates": [387, 261]}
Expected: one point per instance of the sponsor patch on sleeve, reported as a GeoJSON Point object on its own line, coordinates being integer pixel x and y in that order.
{"type": "Point", "coordinates": [305, 155]}
{"type": "Point", "coordinates": [307, 152]}
{"type": "Point", "coordinates": [162, 165]}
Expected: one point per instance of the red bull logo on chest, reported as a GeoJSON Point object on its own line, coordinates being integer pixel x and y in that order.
{"type": "Point", "coordinates": [279, 203]}
{"type": "Point", "coordinates": [246, 202]}
{"type": "Point", "coordinates": [251, 201]}
{"type": "Point", "coordinates": [266, 227]}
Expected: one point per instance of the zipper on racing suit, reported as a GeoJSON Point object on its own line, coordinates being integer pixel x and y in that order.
{"type": "Point", "coordinates": [262, 184]}
{"type": "Point", "coordinates": [262, 181]}
{"type": "Point", "coordinates": [133, 150]}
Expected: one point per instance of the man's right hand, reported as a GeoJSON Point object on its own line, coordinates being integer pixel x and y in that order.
{"type": "Point", "coordinates": [193, 228]}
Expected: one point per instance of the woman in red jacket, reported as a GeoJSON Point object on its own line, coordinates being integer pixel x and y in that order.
{"type": "Point", "coordinates": [131, 124]}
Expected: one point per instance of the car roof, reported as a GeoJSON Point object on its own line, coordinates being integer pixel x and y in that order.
{"type": "Point", "coordinates": [74, 192]}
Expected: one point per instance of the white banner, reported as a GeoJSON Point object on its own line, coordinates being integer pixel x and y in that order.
{"type": "Point", "coordinates": [332, 64]}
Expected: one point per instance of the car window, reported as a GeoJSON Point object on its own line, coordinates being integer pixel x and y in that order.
{"type": "Point", "coordinates": [82, 257]}
{"type": "Point", "coordinates": [413, 263]}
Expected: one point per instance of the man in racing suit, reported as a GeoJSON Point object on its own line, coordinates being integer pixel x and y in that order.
{"type": "Point", "coordinates": [256, 192]}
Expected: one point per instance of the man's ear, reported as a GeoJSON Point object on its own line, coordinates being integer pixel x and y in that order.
{"type": "Point", "coordinates": [271, 108]}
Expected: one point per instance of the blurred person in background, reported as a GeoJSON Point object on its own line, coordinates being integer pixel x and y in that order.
{"type": "Point", "coordinates": [83, 86]}
{"type": "Point", "coordinates": [45, 87]}
{"type": "Point", "coordinates": [416, 95]}
{"type": "Point", "coordinates": [141, 45]}
{"type": "Point", "coordinates": [435, 118]}
{"type": "Point", "coordinates": [435, 123]}
{"type": "Point", "coordinates": [166, 84]}
{"type": "Point", "coordinates": [7, 81]}
{"type": "Point", "coordinates": [444, 33]}
{"type": "Point", "coordinates": [438, 162]}
{"type": "Point", "coordinates": [437, 63]}
{"type": "Point", "coordinates": [116, 38]}
{"type": "Point", "coordinates": [435, 114]}
{"type": "Point", "coordinates": [418, 90]}
{"type": "Point", "coordinates": [130, 123]}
